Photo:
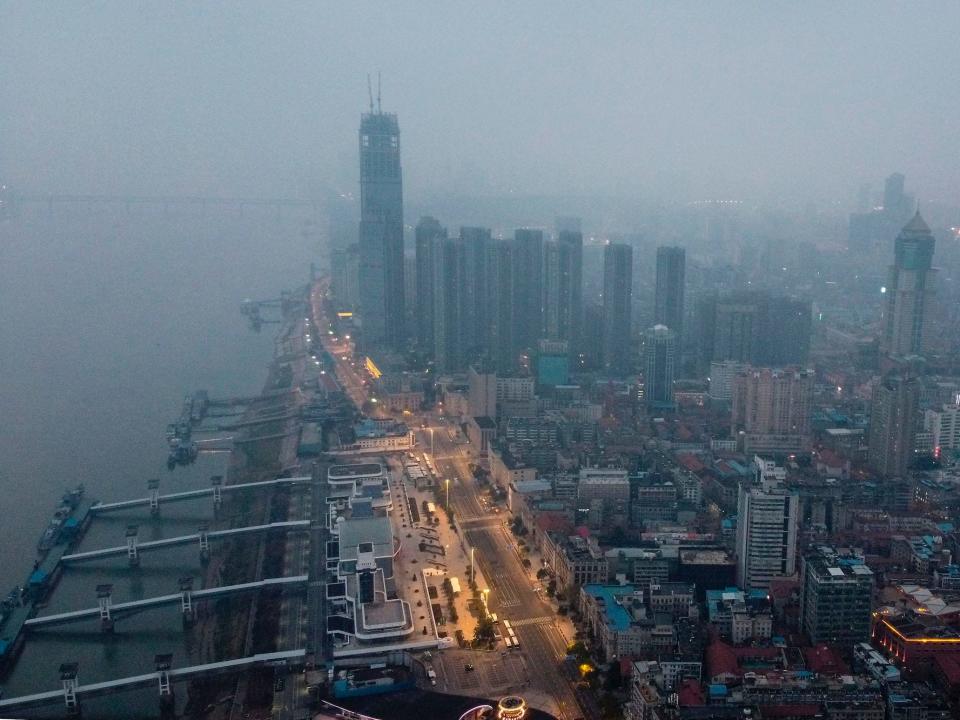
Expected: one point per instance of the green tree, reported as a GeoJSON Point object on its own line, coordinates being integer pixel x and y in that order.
{"type": "Point", "coordinates": [484, 632]}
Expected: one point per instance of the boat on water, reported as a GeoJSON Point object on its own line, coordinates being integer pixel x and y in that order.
{"type": "Point", "coordinates": [54, 530]}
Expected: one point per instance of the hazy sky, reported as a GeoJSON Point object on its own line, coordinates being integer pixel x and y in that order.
{"type": "Point", "coordinates": [684, 100]}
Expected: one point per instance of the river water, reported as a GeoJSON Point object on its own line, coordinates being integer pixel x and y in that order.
{"type": "Point", "coordinates": [108, 316]}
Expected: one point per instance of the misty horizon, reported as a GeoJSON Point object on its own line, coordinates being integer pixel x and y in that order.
{"type": "Point", "coordinates": [675, 102]}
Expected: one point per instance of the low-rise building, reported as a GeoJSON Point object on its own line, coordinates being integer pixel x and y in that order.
{"type": "Point", "coordinates": [575, 560]}
{"type": "Point", "coordinates": [381, 435]}
{"type": "Point", "coordinates": [740, 616]}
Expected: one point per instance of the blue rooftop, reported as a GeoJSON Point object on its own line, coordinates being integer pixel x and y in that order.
{"type": "Point", "coordinates": [616, 615]}
{"type": "Point", "coordinates": [717, 690]}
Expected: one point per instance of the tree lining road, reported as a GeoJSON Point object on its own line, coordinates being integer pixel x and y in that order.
{"type": "Point", "coordinates": [512, 595]}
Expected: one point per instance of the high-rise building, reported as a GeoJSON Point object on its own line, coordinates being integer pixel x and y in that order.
{"type": "Point", "coordinates": [617, 301]}
{"type": "Point", "coordinates": [893, 423]}
{"type": "Point", "coordinates": [500, 305]}
{"type": "Point", "coordinates": [342, 229]}
{"type": "Point", "coordinates": [770, 409]}
{"type": "Point", "coordinates": [722, 376]}
{"type": "Point", "coordinates": [551, 290]}
{"type": "Point", "coordinates": [427, 230]}
{"type": "Point", "coordinates": [737, 327]}
{"type": "Point", "coordinates": [668, 300]}
{"type": "Point", "coordinates": [660, 350]}
{"type": "Point", "coordinates": [447, 258]}
{"type": "Point", "coordinates": [836, 598]}
{"type": "Point", "coordinates": [785, 332]}
{"type": "Point", "coordinates": [570, 313]}
{"type": "Point", "coordinates": [481, 391]}
{"type": "Point", "coordinates": [910, 292]}
{"type": "Point", "coordinates": [755, 327]}
{"type": "Point", "coordinates": [476, 310]}
{"type": "Point", "coordinates": [767, 521]}
{"type": "Point", "coordinates": [382, 309]}
{"type": "Point", "coordinates": [944, 428]}
{"type": "Point", "coordinates": [895, 201]}
{"type": "Point", "coordinates": [527, 288]}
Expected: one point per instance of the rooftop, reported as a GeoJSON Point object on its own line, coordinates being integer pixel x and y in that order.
{"type": "Point", "coordinates": [615, 615]}
{"type": "Point", "coordinates": [374, 530]}
{"type": "Point", "coordinates": [342, 472]}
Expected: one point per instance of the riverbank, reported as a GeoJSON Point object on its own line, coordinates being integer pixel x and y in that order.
{"type": "Point", "coordinates": [244, 626]}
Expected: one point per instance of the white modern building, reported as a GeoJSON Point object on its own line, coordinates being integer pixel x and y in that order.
{"type": "Point", "coordinates": [767, 521]}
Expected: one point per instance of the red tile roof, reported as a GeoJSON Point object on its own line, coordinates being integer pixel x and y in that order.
{"type": "Point", "coordinates": [551, 521]}
{"type": "Point", "coordinates": [690, 694]}
{"type": "Point", "coordinates": [822, 659]}
{"type": "Point", "coordinates": [691, 462]}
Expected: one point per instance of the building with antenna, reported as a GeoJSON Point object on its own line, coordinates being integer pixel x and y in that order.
{"type": "Point", "coordinates": [381, 287]}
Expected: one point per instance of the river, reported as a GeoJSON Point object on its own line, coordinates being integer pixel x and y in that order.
{"type": "Point", "coordinates": [108, 316]}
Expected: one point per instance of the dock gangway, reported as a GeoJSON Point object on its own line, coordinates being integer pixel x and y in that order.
{"type": "Point", "coordinates": [191, 494]}
{"type": "Point", "coordinates": [132, 549]}
{"type": "Point", "coordinates": [135, 606]}
{"type": "Point", "coordinates": [108, 687]}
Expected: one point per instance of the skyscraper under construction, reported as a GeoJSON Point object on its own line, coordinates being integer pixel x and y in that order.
{"type": "Point", "coordinates": [381, 230]}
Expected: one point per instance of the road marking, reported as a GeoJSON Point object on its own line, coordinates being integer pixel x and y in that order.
{"type": "Point", "coordinates": [541, 620]}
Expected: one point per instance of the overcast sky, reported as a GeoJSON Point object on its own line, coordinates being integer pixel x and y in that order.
{"type": "Point", "coordinates": [674, 100]}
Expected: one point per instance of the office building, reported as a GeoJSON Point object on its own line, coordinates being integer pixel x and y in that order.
{"type": "Point", "coordinates": [907, 326]}
{"type": "Point", "coordinates": [427, 231]}
{"type": "Point", "coordinates": [771, 409]}
{"type": "Point", "coordinates": [660, 355]}
{"type": "Point", "coordinates": [668, 300]}
{"type": "Point", "coordinates": [527, 288]}
{"type": "Point", "coordinates": [617, 302]}
{"type": "Point", "coordinates": [767, 521]}
{"type": "Point", "coordinates": [382, 311]}
{"type": "Point", "coordinates": [893, 423]}
{"type": "Point", "coordinates": [836, 597]}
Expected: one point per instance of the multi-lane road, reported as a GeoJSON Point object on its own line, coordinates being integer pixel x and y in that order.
{"type": "Point", "coordinates": [513, 593]}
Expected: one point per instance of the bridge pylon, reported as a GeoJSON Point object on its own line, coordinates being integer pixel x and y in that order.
{"type": "Point", "coordinates": [204, 533]}
{"type": "Point", "coordinates": [153, 486]}
{"type": "Point", "coordinates": [105, 603]}
{"type": "Point", "coordinates": [163, 663]}
{"type": "Point", "coordinates": [68, 676]}
{"type": "Point", "coordinates": [133, 554]}
{"type": "Point", "coordinates": [187, 609]}
{"type": "Point", "coordinates": [217, 482]}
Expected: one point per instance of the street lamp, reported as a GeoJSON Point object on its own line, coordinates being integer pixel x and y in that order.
{"type": "Point", "coordinates": [447, 483]}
